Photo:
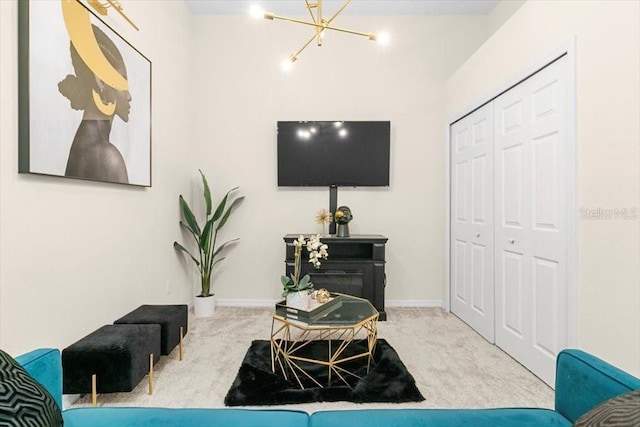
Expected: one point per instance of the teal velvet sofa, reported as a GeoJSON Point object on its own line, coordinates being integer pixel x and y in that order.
{"type": "Point", "coordinates": [583, 381]}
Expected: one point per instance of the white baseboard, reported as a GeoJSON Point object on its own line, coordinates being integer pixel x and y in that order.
{"type": "Point", "coordinates": [432, 303]}
{"type": "Point", "coordinates": [230, 302]}
{"type": "Point", "coordinates": [270, 303]}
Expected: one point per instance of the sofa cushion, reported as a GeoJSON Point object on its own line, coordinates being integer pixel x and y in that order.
{"type": "Point", "coordinates": [621, 411]}
{"type": "Point", "coordinates": [23, 400]}
{"type": "Point", "coordinates": [520, 417]}
{"type": "Point", "coordinates": [182, 417]}
{"type": "Point", "coordinates": [44, 365]}
{"type": "Point", "coordinates": [577, 372]}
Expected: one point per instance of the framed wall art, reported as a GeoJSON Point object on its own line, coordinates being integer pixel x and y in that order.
{"type": "Point", "coordinates": [84, 97]}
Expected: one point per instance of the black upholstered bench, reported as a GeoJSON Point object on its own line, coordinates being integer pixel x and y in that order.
{"type": "Point", "coordinates": [119, 356]}
{"type": "Point", "coordinates": [170, 317]}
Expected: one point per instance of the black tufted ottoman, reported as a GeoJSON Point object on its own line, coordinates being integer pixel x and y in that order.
{"type": "Point", "coordinates": [170, 317]}
{"type": "Point", "coordinates": [117, 354]}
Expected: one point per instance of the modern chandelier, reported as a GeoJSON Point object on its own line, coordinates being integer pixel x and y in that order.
{"type": "Point", "coordinates": [319, 23]}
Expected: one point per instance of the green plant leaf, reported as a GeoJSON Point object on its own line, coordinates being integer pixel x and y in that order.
{"type": "Point", "coordinates": [305, 283]}
{"type": "Point", "coordinates": [205, 238]}
{"type": "Point", "coordinates": [190, 219]}
{"type": "Point", "coordinates": [217, 261]}
{"type": "Point", "coordinates": [288, 285]}
{"type": "Point", "coordinates": [222, 246]}
{"type": "Point", "coordinates": [206, 192]}
{"type": "Point", "coordinates": [222, 204]}
{"type": "Point", "coordinates": [224, 219]}
{"type": "Point", "coordinates": [183, 249]}
{"type": "Point", "coordinates": [195, 237]}
{"type": "Point", "coordinates": [286, 281]}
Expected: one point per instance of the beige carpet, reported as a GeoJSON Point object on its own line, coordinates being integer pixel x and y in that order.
{"type": "Point", "coordinates": [453, 366]}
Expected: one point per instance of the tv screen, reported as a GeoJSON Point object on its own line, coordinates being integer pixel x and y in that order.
{"type": "Point", "coordinates": [341, 153]}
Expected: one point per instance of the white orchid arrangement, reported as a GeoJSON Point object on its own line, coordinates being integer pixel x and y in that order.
{"type": "Point", "coordinates": [317, 251]}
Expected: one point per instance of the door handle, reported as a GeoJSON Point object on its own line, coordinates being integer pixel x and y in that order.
{"type": "Point", "coordinates": [477, 234]}
{"type": "Point", "coordinates": [512, 241]}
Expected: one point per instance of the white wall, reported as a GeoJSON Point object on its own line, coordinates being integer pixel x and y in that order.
{"type": "Point", "coordinates": [75, 255]}
{"type": "Point", "coordinates": [501, 12]}
{"type": "Point", "coordinates": [608, 135]}
{"type": "Point", "coordinates": [241, 94]}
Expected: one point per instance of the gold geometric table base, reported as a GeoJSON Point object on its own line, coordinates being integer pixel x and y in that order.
{"type": "Point", "coordinates": [289, 336]}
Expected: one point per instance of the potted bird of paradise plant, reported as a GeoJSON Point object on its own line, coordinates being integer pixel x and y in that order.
{"type": "Point", "coordinates": [209, 252]}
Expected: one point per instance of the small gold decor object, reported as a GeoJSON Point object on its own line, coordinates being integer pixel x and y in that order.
{"type": "Point", "coordinates": [343, 216]}
{"type": "Point", "coordinates": [323, 217]}
{"type": "Point", "coordinates": [322, 296]}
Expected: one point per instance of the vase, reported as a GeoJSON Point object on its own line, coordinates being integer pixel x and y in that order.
{"type": "Point", "coordinates": [204, 306]}
{"type": "Point", "coordinates": [299, 300]}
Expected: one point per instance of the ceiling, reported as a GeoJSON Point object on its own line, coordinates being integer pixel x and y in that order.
{"type": "Point", "coordinates": [357, 7]}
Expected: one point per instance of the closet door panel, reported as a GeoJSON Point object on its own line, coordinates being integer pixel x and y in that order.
{"type": "Point", "coordinates": [530, 138]}
{"type": "Point", "coordinates": [472, 295]}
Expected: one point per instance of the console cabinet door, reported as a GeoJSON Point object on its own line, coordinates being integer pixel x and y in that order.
{"type": "Point", "coordinates": [350, 278]}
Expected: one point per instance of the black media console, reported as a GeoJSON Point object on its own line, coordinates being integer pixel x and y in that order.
{"type": "Point", "coordinates": [355, 266]}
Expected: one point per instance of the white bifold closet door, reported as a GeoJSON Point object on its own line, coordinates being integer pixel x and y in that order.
{"type": "Point", "coordinates": [531, 189]}
{"type": "Point", "coordinates": [472, 284]}
{"type": "Point", "coordinates": [509, 219]}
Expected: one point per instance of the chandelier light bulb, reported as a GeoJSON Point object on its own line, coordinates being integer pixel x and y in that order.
{"type": "Point", "coordinates": [286, 64]}
{"type": "Point", "coordinates": [256, 12]}
{"type": "Point", "coordinates": [384, 38]}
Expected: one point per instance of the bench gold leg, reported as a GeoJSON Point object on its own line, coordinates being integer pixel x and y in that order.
{"type": "Point", "coordinates": [94, 393]}
{"type": "Point", "coordinates": [151, 373]}
{"type": "Point", "coordinates": [180, 344]}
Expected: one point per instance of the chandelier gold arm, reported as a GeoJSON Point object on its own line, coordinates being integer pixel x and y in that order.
{"type": "Point", "coordinates": [309, 7]}
{"type": "Point", "coordinates": [269, 15]}
{"type": "Point", "coordinates": [115, 4]}
{"type": "Point", "coordinates": [319, 23]}
{"type": "Point", "coordinates": [344, 6]}
{"type": "Point", "coordinates": [293, 57]}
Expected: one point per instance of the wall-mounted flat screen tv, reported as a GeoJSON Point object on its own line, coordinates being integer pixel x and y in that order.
{"type": "Point", "coordinates": [340, 153]}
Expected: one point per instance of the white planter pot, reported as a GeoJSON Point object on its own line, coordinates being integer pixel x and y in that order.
{"type": "Point", "coordinates": [299, 300]}
{"type": "Point", "coordinates": [204, 306]}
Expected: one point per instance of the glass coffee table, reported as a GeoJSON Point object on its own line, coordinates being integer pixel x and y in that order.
{"type": "Point", "coordinates": [354, 319]}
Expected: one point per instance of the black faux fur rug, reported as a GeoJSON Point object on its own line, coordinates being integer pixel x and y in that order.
{"type": "Point", "coordinates": [387, 381]}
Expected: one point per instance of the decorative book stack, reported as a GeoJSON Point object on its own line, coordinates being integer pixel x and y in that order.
{"type": "Point", "coordinates": [316, 310]}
